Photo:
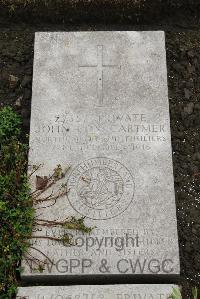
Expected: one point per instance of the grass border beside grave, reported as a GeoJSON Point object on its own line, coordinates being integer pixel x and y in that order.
{"type": "Point", "coordinates": [16, 212]}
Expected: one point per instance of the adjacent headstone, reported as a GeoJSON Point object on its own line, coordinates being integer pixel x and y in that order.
{"type": "Point", "coordinates": [100, 106]}
{"type": "Point", "coordinates": [138, 291]}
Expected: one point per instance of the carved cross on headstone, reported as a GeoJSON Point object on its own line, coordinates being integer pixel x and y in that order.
{"type": "Point", "coordinates": [100, 67]}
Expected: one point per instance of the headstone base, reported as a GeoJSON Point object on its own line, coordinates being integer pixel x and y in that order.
{"type": "Point", "coordinates": [122, 291]}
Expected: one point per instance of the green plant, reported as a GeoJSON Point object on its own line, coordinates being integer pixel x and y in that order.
{"type": "Point", "coordinates": [17, 201]}
{"type": "Point", "coordinates": [9, 125]}
{"type": "Point", "coordinates": [177, 293]}
{"type": "Point", "coordinates": [50, 189]}
{"type": "Point", "coordinates": [194, 293]}
{"type": "Point", "coordinates": [16, 213]}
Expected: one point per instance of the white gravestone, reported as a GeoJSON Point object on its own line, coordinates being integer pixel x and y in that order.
{"type": "Point", "coordinates": [138, 291]}
{"type": "Point", "coordinates": [100, 106]}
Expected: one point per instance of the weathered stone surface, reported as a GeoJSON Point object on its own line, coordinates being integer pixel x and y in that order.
{"type": "Point", "coordinates": [124, 291]}
{"type": "Point", "coordinates": [100, 106]}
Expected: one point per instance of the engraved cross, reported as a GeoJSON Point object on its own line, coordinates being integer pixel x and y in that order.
{"type": "Point", "coordinates": [100, 67]}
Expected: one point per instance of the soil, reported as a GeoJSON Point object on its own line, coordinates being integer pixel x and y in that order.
{"type": "Point", "coordinates": [183, 60]}
{"type": "Point", "coordinates": [108, 11]}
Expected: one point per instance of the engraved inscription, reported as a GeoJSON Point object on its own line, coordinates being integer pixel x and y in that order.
{"type": "Point", "coordinates": [100, 67]}
{"type": "Point", "coordinates": [100, 188]}
{"type": "Point", "coordinates": [107, 131]}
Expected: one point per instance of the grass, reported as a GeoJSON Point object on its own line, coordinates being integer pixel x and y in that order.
{"type": "Point", "coordinates": [16, 213]}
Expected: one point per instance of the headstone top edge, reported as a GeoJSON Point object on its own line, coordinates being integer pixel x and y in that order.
{"type": "Point", "coordinates": [158, 32]}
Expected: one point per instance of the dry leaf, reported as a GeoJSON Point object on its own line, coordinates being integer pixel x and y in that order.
{"type": "Point", "coordinates": [41, 182]}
